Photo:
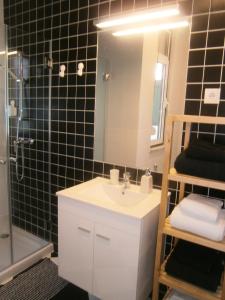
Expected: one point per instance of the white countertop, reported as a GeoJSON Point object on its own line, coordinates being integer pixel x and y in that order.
{"type": "Point", "coordinates": [91, 192]}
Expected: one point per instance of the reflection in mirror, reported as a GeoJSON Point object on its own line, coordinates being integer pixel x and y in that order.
{"type": "Point", "coordinates": [159, 100]}
{"type": "Point", "coordinates": [139, 80]}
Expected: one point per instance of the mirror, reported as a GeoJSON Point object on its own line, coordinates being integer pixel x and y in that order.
{"type": "Point", "coordinates": [140, 79]}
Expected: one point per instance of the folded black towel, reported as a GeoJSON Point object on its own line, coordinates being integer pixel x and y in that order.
{"type": "Point", "coordinates": [199, 257]}
{"type": "Point", "coordinates": [187, 273]}
{"type": "Point", "coordinates": [196, 264]}
{"type": "Point", "coordinates": [203, 150]}
{"type": "Point", "coordinates": [201, 168]}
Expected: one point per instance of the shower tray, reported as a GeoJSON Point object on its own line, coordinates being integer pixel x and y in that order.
{"type": "Point", "coordinates": [27, 250]}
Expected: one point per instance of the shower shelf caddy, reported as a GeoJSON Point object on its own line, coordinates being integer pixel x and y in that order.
{"type": "Point", "coordinates": [164, 227]}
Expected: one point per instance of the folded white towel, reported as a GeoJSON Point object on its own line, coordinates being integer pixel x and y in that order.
{"type": "Point", "coordinates": [175, 295]}
{"type": "Point", "coordinates": [211, 201]}
{"type": "Point", "coordinates": [213, 231]}
{"type": "Point", "coordinates": [201, 207]}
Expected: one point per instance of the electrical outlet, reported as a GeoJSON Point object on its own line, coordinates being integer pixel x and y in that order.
{"type": "Point", "coordinates": [212, 96]}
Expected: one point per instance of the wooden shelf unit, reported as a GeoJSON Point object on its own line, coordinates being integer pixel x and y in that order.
{"type": "Point", "coordinates": [164, 227]}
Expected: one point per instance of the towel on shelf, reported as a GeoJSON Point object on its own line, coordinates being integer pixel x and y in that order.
{"type": "Point", "coordinates": [199, 257]}
{"type": "Point", "coordinates": [204, 150]}
{"type": "Point", "coordinates": [200, 168]}
{"type": "Point", "coordinates": [187, 273]}
{"type": "Point", "coordinates": [213, 231]}
{"type": "Point", "coordinates": [212, 201]}
{"type": "Point", "coordinates": [196, 264]}
{"type": "Point", "coordinates": [201, 207]}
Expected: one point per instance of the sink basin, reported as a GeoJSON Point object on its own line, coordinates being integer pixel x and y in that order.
{"type": "Point", "coordinates": [114, 193]}
{"type": "Point", "coordinates": [100, 192]}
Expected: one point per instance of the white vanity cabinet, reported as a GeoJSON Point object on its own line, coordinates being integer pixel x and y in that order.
{"type": "Point", "coordinates": [108, 254]}
{"type": "Point", "coordinates": [75, 248]}
{"type": "Point", "coordinates": [115, 263]}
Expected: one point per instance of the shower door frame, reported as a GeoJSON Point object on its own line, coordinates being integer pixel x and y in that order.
{"type": "Point", "coordinates": [7, 143]}
{"type": "Point", "coordinates": [5, 117]}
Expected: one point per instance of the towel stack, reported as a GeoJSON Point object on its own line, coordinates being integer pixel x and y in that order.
{"type": "Point", "coordinates": [200, 215]}
{"type": "Point", "coordinates": [196, 264]}
{"type": "Point", "coordinates": [202, 159]}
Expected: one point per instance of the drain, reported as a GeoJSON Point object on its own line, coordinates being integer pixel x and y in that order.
{"type": "Point", "coordinates": [4, 235]}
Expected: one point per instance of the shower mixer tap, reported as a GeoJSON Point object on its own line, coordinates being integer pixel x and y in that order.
{"type": "Point", "coordinates": [23, 141]}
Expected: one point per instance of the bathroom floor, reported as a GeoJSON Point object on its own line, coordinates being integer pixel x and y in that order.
{"type": "Point", "coordinates": [42, 283]}
{"type": "Point", "coordinates": [71, 292]}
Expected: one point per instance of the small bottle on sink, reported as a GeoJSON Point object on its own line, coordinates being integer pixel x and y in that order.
{"type": "Point", "coordinates": [114, 176]}
{"type": "Point", "coordinates": [146, 182]}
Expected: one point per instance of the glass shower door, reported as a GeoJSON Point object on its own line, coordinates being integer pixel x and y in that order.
{"type": "Point", "coordinates": [5, 228]}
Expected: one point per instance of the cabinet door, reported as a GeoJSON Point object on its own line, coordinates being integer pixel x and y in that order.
{"type": "Point", "coordinates": [75, 249]}
{"type": "Point", "coordinates": [115, 264]}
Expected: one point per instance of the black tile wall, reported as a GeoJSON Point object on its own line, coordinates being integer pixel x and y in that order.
{"type": "Point", "coordinates": [58, 112]}
{"type": "Point", "coordinates": [63, 124]}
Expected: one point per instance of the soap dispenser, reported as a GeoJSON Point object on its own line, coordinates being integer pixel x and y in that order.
{"type": "Point", "coordinates": [146, 182]}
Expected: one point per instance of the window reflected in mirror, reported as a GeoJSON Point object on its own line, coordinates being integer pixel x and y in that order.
{"type": "Point", "coordinates": [159, 100]}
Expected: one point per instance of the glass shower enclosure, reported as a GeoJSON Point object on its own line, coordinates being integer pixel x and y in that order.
{"type": "Point", "coordinates": [18, 248]}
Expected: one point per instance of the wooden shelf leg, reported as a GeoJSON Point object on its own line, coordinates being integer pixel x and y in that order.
{"type": "Point", "coordinates": [223, 286]}
{"type": "Point", "coordinates": [163, 208]}
{"type": "Point", "coordinates": [186, 143]}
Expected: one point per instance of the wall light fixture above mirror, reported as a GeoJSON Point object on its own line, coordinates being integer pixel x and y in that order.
{"type": "Point", "coordinates": [159, 26]}
{"type": "Point", "coordinates": [138, 17]}
{"type": "Point", "coordinates": [160, 18]}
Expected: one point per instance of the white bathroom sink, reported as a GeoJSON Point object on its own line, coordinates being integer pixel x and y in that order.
{"type": "Point", "coordinates": [100, 192]}
{"type": "Point", "coordinates": [114, 193]}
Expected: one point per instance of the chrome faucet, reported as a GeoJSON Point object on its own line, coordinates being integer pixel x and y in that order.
{"type": "Point", "coordinates": [126, 181]}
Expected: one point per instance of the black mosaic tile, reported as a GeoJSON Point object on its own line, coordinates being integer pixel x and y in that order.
{"type": "Point", "coordinates": [198, 40]}
{"type": "Point", "coordinates": [193, 91]}
{"type": "Point", "coordinates": [217, 21]}
{"type": "Point", "coordinates": [192, 107]}
{"type": "Point", "coordinates": [208, 109]}
{"type": "Point", "coordinates": [196, 58]}
{"type": "Point", "coordinates": [217, 5]}
{"type": "Point", "coordinates": [201, 6]}
{"type": "Point", "coordinates": [200, 23]}
{"type": "Point", "coordinates": [214, 57]}
{"type": "Point", "coordinates": [195, 74]}
{"type": "Point", "coordinates": [212, 74]}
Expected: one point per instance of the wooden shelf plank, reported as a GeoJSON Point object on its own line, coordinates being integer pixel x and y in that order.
{"type": "Point", "coordinates": [188, 288]}
{"type": "Point", "coordinates": [197, 181]}
{"type": "Point", "coordinates": [197, 119]}
{"type": "Point", "coordinates": [187, 236]}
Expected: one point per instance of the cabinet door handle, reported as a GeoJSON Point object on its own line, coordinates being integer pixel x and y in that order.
{"type": "Point", "coordinates": [84, 229]}
{"type": "Point", "coordinates": [103, 237]}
